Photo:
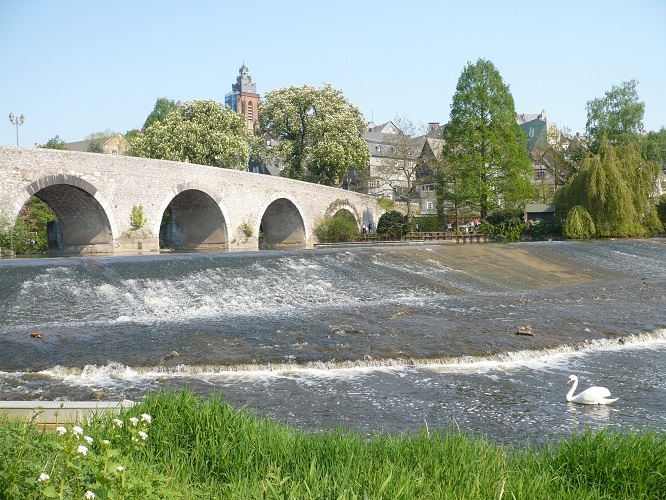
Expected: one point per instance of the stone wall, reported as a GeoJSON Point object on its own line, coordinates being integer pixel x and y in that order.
{"type": "Point", "coordinates": [115, 184]}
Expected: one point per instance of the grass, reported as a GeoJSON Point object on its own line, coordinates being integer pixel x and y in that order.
{"type": "Point", "coordinates": [204, 448]}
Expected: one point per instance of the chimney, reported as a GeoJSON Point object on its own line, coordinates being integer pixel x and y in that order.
{"type": "Point", "coordinates": [433, 126]}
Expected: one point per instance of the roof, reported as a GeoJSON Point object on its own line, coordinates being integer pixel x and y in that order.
{"type": "Point", "coordinates": [540, 208]}
{"type": "Point", "coordinates": [83, 146]}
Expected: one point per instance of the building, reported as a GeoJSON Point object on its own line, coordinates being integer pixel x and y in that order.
{"type": "Point", "coordinates": [243, 99]}
{"type": "Point", "coordinates": [114, 145]}
{"type": "Point", "coordinates": [400, 165]}
{"type": "Point", "coordinates": [549, 174]}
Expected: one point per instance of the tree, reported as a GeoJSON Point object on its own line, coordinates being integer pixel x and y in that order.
{"type": "Point", "coordinates": [484, 147]}
{"type": "Point", "coordinates": [318, 131]}
{"type": "Point", "coordinates": [97, 140]}
{"type": "Point", "coordinates": [653, 148]}
{"type": "Point", "coordinates": [340, 227]}
{"type": "Point", "coordinates": [579, 224]}
{"type": "Point", "coordinates": [401, 165]}
{"type": "Point", "coordinates": [393, 224]}
{"type": "Point", "coordinates": [55, 143]}
{"type": "Point", "coordinates": [162, 108]}
{"type": "Point", "coordinates": [28, 233]}
{"type": "Point", "coordinates": [616, 187]}
{"type": "Point", "coordinates": [203, 132]}
{"type": "Point", "coordinates": [618, 116]}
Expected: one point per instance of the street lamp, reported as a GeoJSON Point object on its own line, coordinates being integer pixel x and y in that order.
{"type": "Point", "coordinates": [16, 121]}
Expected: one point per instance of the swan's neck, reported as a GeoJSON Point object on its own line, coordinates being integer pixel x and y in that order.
{"type": "Point", "coordinates": [572, 390]}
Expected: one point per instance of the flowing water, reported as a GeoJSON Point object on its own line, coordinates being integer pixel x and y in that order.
{"type": "Point", "coordinates": [371, 339]}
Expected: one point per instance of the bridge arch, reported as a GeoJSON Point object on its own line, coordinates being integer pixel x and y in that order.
{"type": "Point", "coordinates": [192, 219]}
{"type": "Point", "coordinates": [282, 225]}
{"type": "Point", "coordinates": [83, 224]}
{"type": "Point", "coordinates": [342, 208]}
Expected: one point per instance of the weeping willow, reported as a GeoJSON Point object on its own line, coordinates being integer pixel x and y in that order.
{"type": "Point", "coordinates": [616, 188]}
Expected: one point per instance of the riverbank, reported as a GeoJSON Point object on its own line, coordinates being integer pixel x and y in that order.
{"type": "Point", "coordinates": [191, 447]}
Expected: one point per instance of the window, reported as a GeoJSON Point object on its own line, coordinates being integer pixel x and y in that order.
{"type": "Point", "coordinates": [249, 112]}
{"type": "Point", "coordinates": [378, 149]}
{"type": "Point", "coordinates": [428, 205]}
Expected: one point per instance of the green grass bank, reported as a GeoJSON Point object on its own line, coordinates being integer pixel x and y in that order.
{"type": "Point", "coordinates": [178, 445]}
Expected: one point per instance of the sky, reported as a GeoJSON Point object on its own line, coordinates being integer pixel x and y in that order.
{"type": "Point", "coordinates": [73, 68]}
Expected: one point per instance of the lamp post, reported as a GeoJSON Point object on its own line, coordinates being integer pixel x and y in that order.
{"type": "Point", "coordinates": [16, 121]}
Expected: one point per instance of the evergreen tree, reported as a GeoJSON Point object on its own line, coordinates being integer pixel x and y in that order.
{"type": "Point", "coordinates": [55, 143]}
{"type": "Point", "coordinates": [485, 151]}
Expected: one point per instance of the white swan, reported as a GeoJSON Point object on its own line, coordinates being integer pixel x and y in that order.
{"type": "Point", "coordinates": [591, 396]}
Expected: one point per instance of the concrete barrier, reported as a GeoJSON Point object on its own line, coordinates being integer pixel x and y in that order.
{"type": "Point", "coordinates": [51, 413]}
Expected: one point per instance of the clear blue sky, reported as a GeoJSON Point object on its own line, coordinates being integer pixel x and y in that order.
{"type": "Point", "coordinates": [77, 67]}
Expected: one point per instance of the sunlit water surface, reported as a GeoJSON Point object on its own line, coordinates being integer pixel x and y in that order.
{"type": "Point", "coordinates": [376, 340]}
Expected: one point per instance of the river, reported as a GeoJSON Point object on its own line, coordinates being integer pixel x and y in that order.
{"type": "Point", "coordinates": [375, 339]}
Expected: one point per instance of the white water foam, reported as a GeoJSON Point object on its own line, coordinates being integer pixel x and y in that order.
{"type": "Point", "coordinates": [111, 373]}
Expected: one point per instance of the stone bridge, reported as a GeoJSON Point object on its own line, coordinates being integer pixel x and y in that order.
{"type": "Point", "coordinates": [185, 206]}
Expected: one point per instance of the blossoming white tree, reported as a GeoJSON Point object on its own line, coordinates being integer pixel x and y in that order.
{"type": "Point", "coordinates": [319, 133]}
{"type": "Point", "coordinates": [203, 132]}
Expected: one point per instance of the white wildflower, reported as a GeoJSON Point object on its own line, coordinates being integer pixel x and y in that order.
{"type": "Point", "coordinates": [146, 418]}
{"type": "Point", "coordinates": [83, 450]}
{"type": "Point", "coordinates": [90, 494]}
{"type": "Point", "coordinates": [134, 421]}
{"type": "Point", "coordinates": [61, 430]}
{"type": "Point", "coordinates": [106, 441]}
{"type": "Point", "coordinates": [117, 422]}
{"type": "Point", "coordinates": [43, 477]}
{"type": "Point", "coordinates": [77, 431]}
{"type": "Point", "coordinates": [143, 435]}
{"type": "Point", "coordinates": [88, 439]}
{"type": "Point", "coordinates": [135, 439]}
{"type": "Point", "coordinates": [120, 468]}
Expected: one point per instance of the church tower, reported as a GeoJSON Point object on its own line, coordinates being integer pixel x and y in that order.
{"type": "Point", "coordinates": [244, 100]}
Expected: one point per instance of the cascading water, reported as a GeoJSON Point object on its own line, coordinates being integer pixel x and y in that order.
{"type": "Point", "coordinates": [374, 339]}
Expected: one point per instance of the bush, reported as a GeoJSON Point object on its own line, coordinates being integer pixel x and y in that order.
{"type": "Point", "coordinates": [506, 225]}
{"type": "Point", "coordinates": [341, 227]}
{"type": "Point", "coordinates": [428, 224]}
{"type": "Point", "coordinates": [393, 224]}
{"type": "Point", "coordinates": [28, 233]}
{"type": "Point", "coordinates": [541, 229]}
{"type": "Point", "coordinates": [137, 218]}
{"type": "Point", "coordinates": [579, 224]}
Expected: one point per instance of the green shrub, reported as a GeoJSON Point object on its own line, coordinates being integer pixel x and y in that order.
{"type": "Point", "coordinates": [28, 233]}
{"type": "Point", "coordinates": [138, 219]}
{"type": "Point", "coordinates": [393, 224]}
{"type": "Point", "coordinates": [540, 229]}
{"type": "Point", "coordinates": [579, 224]}
{"type": "Point", "coordinates": [506, 225]}
{"type": "Point", "coordinates": [428, 224]}
{"type": "Point", "coordinates": [339, 228]}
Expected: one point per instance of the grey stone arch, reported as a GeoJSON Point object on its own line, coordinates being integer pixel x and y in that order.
{"type": "Point", "coordinates": [83, 224]}
{"type": "Point", "coordinates": [344, 208]}
{"type": "Point", "coordinates": [282, 225]}
{"type": "Point", "coordinates": [192, 220]}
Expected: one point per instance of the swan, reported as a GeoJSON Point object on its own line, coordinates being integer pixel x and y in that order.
{"type": "Point", "coordinates": [591, 396]}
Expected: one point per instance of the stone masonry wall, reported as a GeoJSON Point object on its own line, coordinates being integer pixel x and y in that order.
{"type": "Point", "coordinates": [120, 182]}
